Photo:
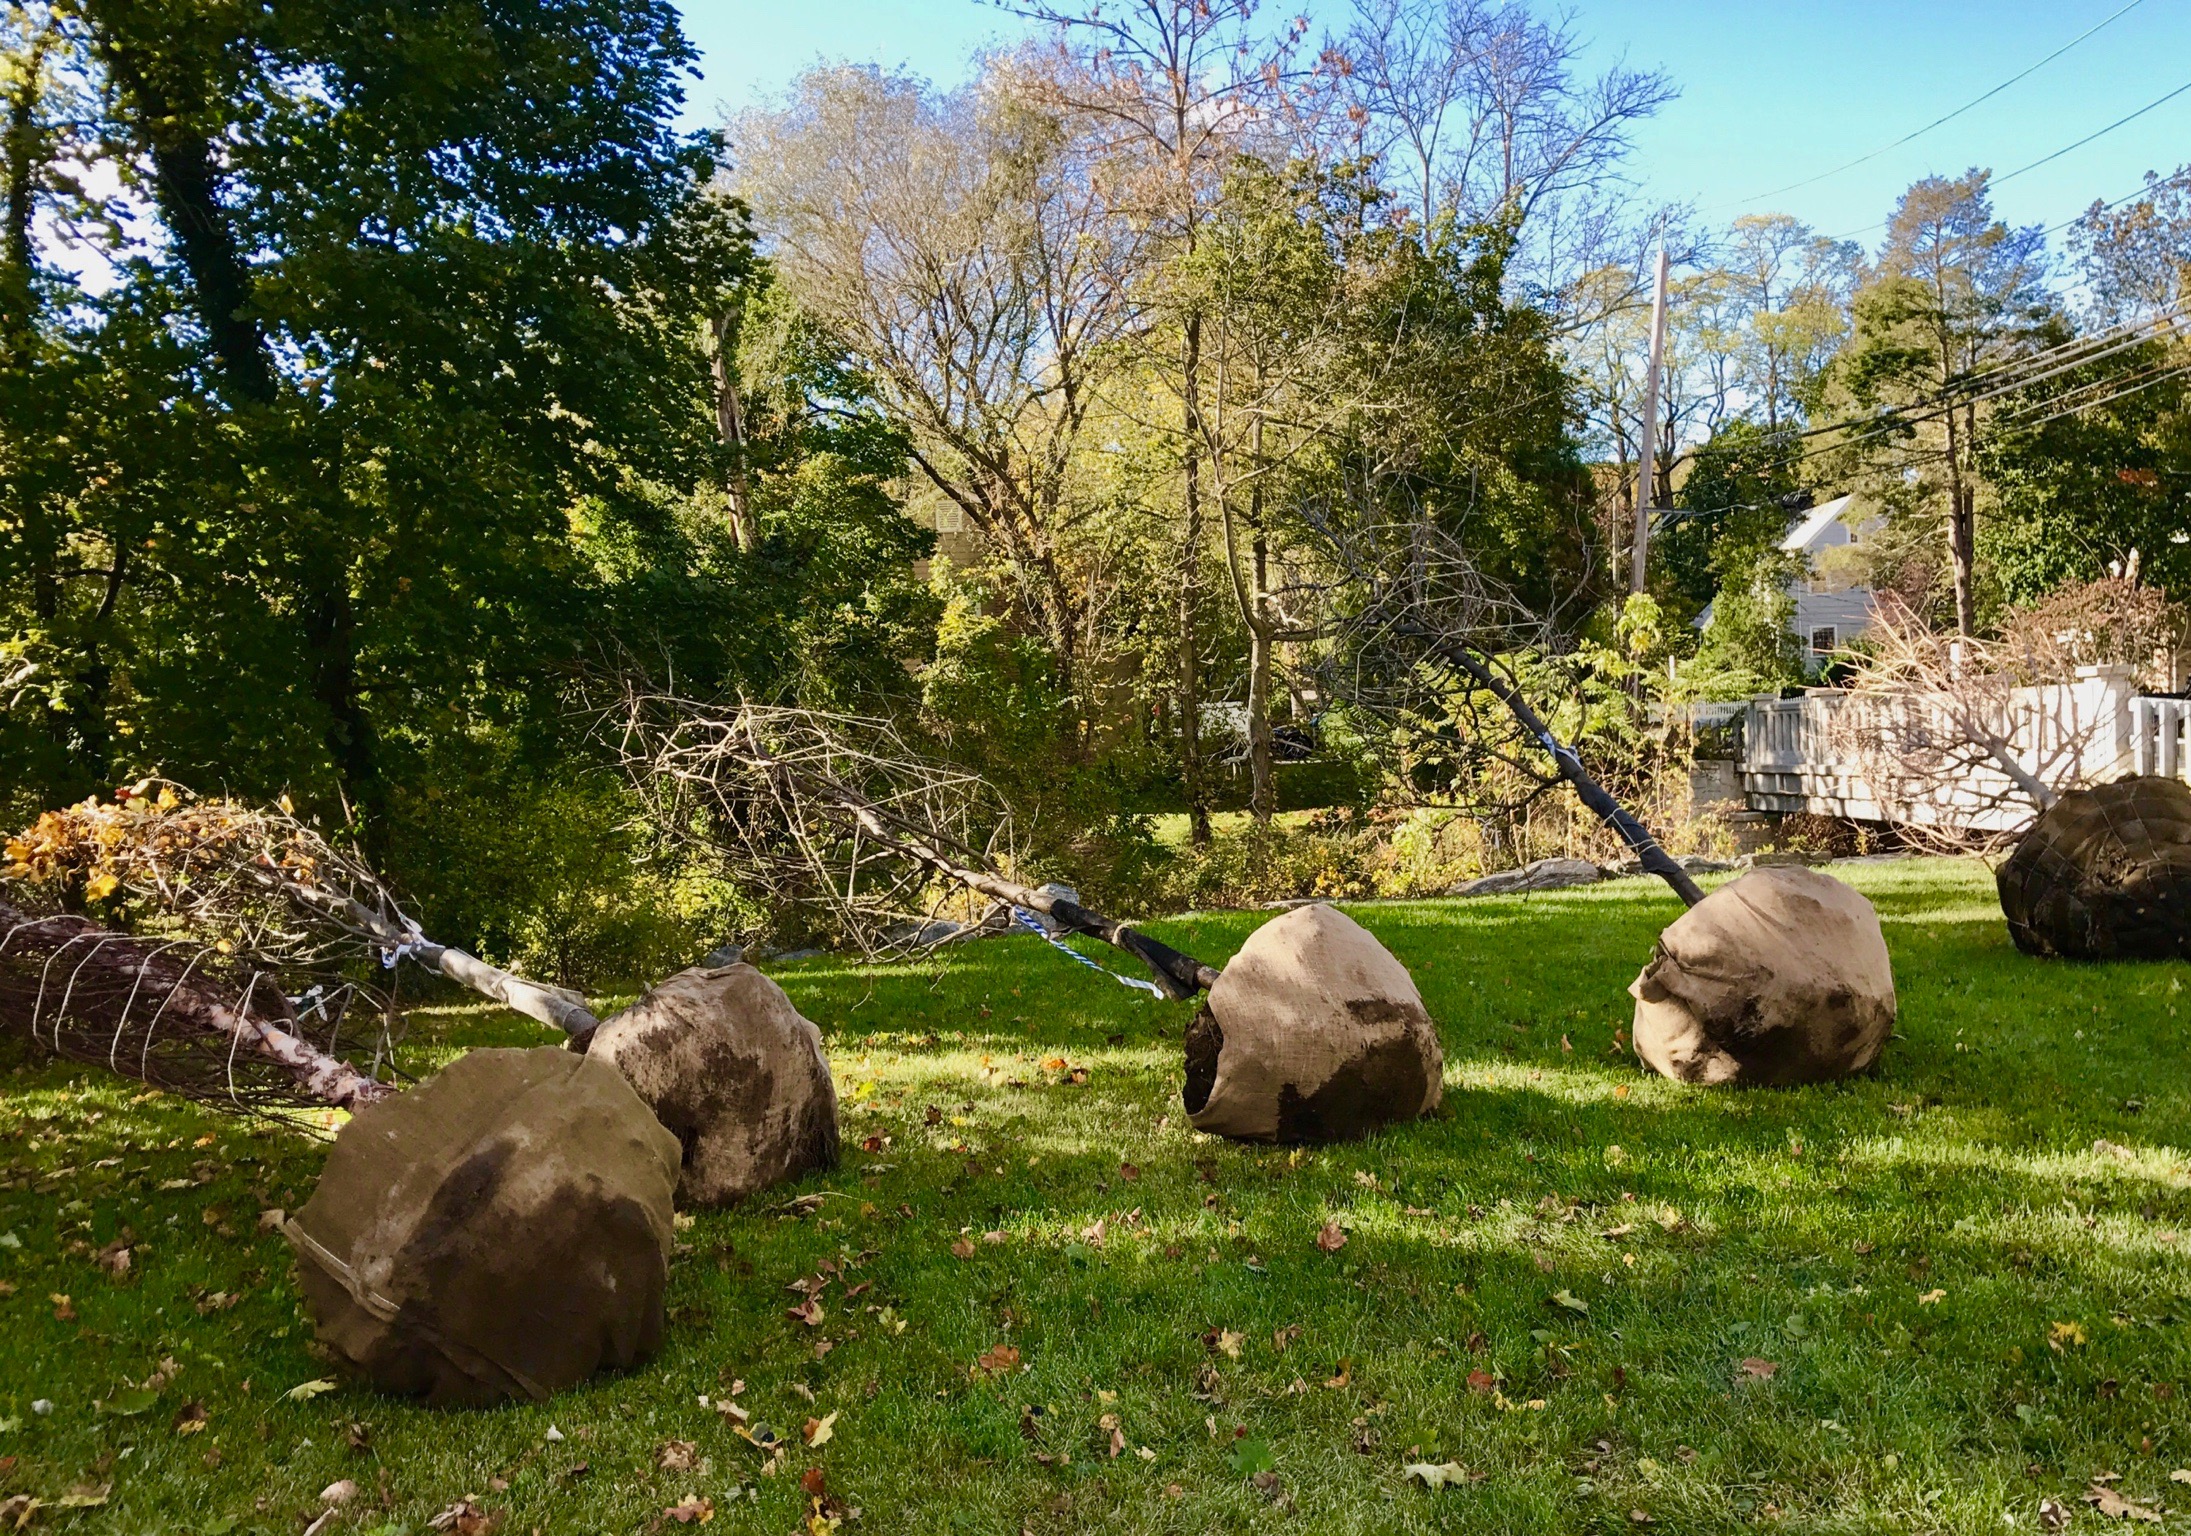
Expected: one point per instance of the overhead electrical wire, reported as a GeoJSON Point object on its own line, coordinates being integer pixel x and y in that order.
{"type": "Point", "coordinates": [1919, 133]}
{"type": "Point", "coordinates": [1995, 181]}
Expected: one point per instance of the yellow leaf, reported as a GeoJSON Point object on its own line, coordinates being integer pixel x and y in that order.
{"type": "Point", "coordinates": [101, 885]}
{"type": "Point", "coordinates": [287, 807]}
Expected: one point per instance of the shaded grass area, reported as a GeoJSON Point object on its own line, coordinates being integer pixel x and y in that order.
{"type": "Point", "coordinates": [1960, 1286]}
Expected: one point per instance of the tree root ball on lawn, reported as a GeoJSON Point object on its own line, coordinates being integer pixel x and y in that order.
{"type": "Point", "coordinates": [1314, 1032]}
{"type": "Point", "coordinates": [732, 1070]}
{"type": "Point", "coordinates": [501, 1231]}
{"type": "Point", "coordinates": [2104, 874]}
{"type": "Point", "coordinates": [1779, 977]}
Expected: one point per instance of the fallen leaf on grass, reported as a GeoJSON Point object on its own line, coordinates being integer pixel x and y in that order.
{"type": "Point", "coordinates": [2180, 1475]}
{"type": "Point", "coordinates": [820, 1431]}
{"type": "Point", "coordinates": [128, 1404]}
{"type": "Point", "coordinates": [677, 1456]}
{"type": "Point", "coordinates": [339, 1492]}
{"type": "Point", "coordinates": [191, 1419]}
{"type": "Point", "coordinates": [809, 1312]}
{"type": "Point", "coordinates": [18, 1510]}
{"type": "Point", "coordinates": [962, 1249]}
{"type": "Point", "coordinates": [1569, 1300]}
{"type": "Point", "coordinates": [1346, 1375]}
{"type": "Point", "coordinates": [64, 1310]}
{"type": "Point", "coordinates": [691, 1509]}
{"type": "Point", "coordinates": [1931, 1297]}
{"type": "Point", "coordinates": [1225, 1342]}
{"type": "Point", "coordinates": [1330, 1238]}
{"type": "Point", "coordinates": [305, 1391]}
{"type": "Point", "coordinates": [1481, 1381]}
{"type": "Point", "coordinates": [84, 1496]}
{"type": "Point", "coordinates": [1251, 1457]}
{"type": "Point", "coordinates": [1442, 1474]}
{"type": "Point", "coordinates": [1761, 1370]}
{"type": "Point", "coordinates": [1640, 1517]}
{"type": "Point", "coordinates": [2061, 1335]}
{"type": "Point", "coordinates": [2116, 1507]}
{"type": "Point", "coordinates": [997, 1359]}
{"type": "Point", "coordinates": [2052, 1516]}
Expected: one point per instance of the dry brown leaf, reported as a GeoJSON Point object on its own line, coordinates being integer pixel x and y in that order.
{"type": "Point", "coordinates": [691, 1509]}
{"type": "Point", "coordinates": [2116, 1507]}
{"type": "Point", "coordinates": [677, 1456]}
{"type": "Point", "coordinates": [1762, 1370]}
{"type": "Point", "coordinates": [1330, 1238]}
{"type": "Point", "coordinates": [962, 1249]}
{"type": "Point", "coordinates": [997, 1359]}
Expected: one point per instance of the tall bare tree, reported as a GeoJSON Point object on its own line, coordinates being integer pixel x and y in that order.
{"type": "Point", "coordinates": [958, 247]}
{"type": "Point", "coordinates": [1173, 91]}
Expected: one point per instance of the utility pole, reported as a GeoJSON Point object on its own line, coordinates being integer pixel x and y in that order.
{"type": "Point", "coordinates": [1646, 471]}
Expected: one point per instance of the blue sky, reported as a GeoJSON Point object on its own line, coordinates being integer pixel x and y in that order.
{"type": "Point", "coordinates": [1773, 90]}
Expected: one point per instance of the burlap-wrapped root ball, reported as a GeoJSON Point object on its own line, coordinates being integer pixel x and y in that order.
{"type": "Point", "coordinates": [732, 1070]}
{"type": "Point", "coordinates": [503, 1230]}
{"type": "Point", "coordinates": [2105, 874]}
{"type": "Point", "coordinates": [1779, 977]}
{"type": "Point", "coordinates": [1314, 1032]}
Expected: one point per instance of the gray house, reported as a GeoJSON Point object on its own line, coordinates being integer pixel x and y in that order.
{"type": "Point", "coordinates": [1830, 608]}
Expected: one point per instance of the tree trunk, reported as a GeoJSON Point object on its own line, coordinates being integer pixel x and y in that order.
{"type": "Point", "coordinates": [1190, 584]}
{"type": "Point", "coordinates": [1262, 636]}
{"type": "Point", "coordinates": [730, 428]}
{"type": "Point", "coordinates": [1262, 764]}
{"type": "Point", "coordinates": [351, 741]}
{"type": "Point", "coordinates": [1962, 535]}
{"type": "Point", "coordinates": [22, 157]}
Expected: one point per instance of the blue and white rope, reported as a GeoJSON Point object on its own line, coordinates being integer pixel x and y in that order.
{"type": "Point", "coordinates": [1028, 921]}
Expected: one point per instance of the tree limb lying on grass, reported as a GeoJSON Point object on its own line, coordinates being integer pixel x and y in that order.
{"type": "Point", "coordinates": [841, 814]}
{"type": "Point", "coordinates": [1410, 610]}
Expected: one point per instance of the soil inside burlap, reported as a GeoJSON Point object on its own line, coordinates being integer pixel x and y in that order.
{"type": "Point", "coordinates": [501, 1231]}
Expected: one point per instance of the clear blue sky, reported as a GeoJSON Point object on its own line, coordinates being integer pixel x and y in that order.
{"type": "Point", "coordinates": [1773, 91]}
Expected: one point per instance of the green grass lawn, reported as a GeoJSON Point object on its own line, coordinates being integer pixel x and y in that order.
{"type": "Point", "coordinates": [1925, 1301]}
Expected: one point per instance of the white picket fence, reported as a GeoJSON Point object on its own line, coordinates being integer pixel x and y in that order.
{"type": "Point", "coordinates": [2092, 730]}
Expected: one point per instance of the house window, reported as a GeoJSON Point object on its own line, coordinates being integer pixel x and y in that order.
{"type": "Point", "coordinates": [1824, 639]}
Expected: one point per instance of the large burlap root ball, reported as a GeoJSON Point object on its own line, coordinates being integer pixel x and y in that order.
{"type": "Point", "coordinates": [2105, 874]}
{"type": "Point", "coordinates": [1779, 977]}
{"type": "Point", "coordinates": [503, 1230]}
{"type": "Point", "coordinates": [732, 1070]}
{"type": "Point", "coordinates": [1313, 1033]}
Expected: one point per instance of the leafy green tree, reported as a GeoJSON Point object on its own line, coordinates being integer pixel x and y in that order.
{"type": "Point", "coordinates": [1954, 293]}
{"type": "Point", "coordinates": [1735, 505]}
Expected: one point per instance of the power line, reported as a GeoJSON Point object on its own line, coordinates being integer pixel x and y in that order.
{"type": "Point", "coordinates": [1936, 122]}
{"type": "Point", "coordinates": [1996, 181]}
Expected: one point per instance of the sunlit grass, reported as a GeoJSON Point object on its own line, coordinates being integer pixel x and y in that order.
{"type": "Point", "coordinates": [1961, 1282]}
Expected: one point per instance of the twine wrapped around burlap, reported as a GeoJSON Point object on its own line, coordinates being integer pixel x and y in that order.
{"type": "Point", "coordinates": [1779, 977]}
{"type": "Point", "coordinates": [503, 1230]}
{"type": "Point", "coordinates": [732, 1070]}
{"type": "Point", "coordinates": [1314, 1032]}
{"type": "Point", "coordinates": [2104, 874]}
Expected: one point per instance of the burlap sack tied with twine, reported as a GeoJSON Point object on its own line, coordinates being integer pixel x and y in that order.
{"type": "Point", "coordinates": [502, 1230]}
{"type": "Point", "coordinates": [732, 1070]}
{"type": "Point", "coordinates": [1779, 977]}
{"type": "Point", "coordinates": [2104, 874]}
{"type": "Point", "coordinates": [1314, 1032]}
